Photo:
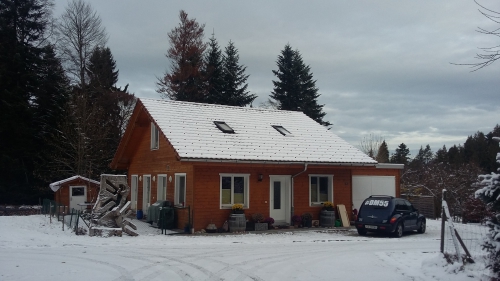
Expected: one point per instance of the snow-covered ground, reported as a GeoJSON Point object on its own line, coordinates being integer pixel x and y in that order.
{"type": "Point", "coordinates": [33, 249]}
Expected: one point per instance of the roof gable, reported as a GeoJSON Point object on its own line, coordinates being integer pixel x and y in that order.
{"type": "Point", "coordinates": [190, 129]}
{"type": "Point", "coordinates": [56, 185]}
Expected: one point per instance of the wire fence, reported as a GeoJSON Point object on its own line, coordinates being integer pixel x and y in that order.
{"type": "Point", "coordinates": [80, 221]}
{"type": "Point", "coordinates": [463, 242]}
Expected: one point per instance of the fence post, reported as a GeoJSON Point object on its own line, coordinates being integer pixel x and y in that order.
{"type": "Point", "coordinates": [443, 220]}
{"type": "Point", "coordinates": [50, 212]}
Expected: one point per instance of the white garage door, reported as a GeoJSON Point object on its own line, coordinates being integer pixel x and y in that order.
{"type": "Point", "coordinates": [364, 186]}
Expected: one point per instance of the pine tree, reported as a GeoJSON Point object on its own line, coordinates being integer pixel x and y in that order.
{"type": "Point", "coordinates": [383, 153]}
{"type": "Point", "coordinates": [295, 88]}
{"type": "Point", "coordinates": [402, 155]}
{"type": "Point", "coordinates": [234, 78]}
{"type": "Point", "coordinates": [102, 70]}
{"type": "Point", "coordinates": [489, 192]}
{"type": "Point", "coordinates": [185, 81]}
{"type": "Point", "coordinates": [213, 73]}
{"type": "Point", "coordinates": [441, 155]}
{"type": "Point", "coordinates": [32, 88]}
{"type": "Point", "coordinates": [424, 156]}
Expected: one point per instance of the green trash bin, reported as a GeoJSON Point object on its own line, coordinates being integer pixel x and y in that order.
{"type": "Point", "coordinates": [338, 223]}
{"type": "Point", "coordinates": [166, 218]}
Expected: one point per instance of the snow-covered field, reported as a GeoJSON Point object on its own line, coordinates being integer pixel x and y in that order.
{"type": "Point", "coordinates": [33, 249]}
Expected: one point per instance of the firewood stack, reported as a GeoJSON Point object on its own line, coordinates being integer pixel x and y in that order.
{"type": "Point", "coordinates": [112, 208]}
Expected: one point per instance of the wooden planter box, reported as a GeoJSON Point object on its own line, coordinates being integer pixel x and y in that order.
{"type": "Point", "coordinates": [259, 226]}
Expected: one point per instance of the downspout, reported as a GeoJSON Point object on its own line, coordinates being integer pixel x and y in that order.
{"type": "Point", "coordinates": [293, 176]}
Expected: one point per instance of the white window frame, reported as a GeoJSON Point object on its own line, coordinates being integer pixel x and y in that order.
{"type": "Point", "coordinates": [155, 137]}
{"type": "Point", "coordinates": [177, 191]}
{"type": "Point", "coordinates": [246, 191]}
{"type": "Point", "coordinates": [161, 189]}
{"type": "Point", "coordinates": [330, 189]}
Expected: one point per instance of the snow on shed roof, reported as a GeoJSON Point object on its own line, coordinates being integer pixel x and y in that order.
{"type": "Point", "coordinates": [190, 128]}
{"type": "Point", "coordinates": [56, 185]}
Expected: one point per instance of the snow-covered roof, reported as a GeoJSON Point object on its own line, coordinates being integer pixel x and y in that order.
{"type": "Point", "coordinates": [191, 130]}
{"type": "Point", "coordinates": [56, 185]}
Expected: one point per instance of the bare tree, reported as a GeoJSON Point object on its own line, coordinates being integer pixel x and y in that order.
{"type": "Point", "coordinates": [488, 55]}
{"type": "Point", "coordinates": [370, 145]}
{"type": "Point", "coordinates": [80, 31]}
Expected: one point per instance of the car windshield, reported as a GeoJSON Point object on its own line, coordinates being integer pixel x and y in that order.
{"type": "Point", "coordinates": [377, 207]}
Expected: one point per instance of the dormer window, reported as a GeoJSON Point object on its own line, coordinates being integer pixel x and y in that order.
{"type": "Point", "coordinates": [282, 130]}
{"type": "Point", "coordinates": [155, 137]}
{"type": "Point", "coordinates": [224, 127]}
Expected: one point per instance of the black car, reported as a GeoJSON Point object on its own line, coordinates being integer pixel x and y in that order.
{"type": "Point", "coordinates": [389, 215]}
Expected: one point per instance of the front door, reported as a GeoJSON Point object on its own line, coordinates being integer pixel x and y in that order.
{"type": "Point", "coordinates": [280, 199]}
{"type": "Point", "coordinates": [77, 195]}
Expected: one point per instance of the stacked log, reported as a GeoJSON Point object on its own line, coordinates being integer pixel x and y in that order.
{"type": "Point", "coordinates": [109, 215]}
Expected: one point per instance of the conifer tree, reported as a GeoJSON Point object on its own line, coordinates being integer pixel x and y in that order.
{"type": "Point", "coordinates": [32, 89]}
{"type": "Point", "coordinates": [383, 153]}
{"type": "Point", "coordinates": [234, 78]}
{"type": "Point", "coordinates": [402, 155]}
{"type": "Point", "coordinates": [214, 72]}
{"type": "Point", "coordinates": [184, 81]}
{"type": "Point", "coordinates": [295, 88]}
{"type": "Point", "coordinates": [441, 155]}
{"type": "Point", "coordinates": [489, 192]}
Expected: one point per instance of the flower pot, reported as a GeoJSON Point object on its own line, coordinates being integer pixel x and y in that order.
{"type": "Point", "coordinates": [237, 222]}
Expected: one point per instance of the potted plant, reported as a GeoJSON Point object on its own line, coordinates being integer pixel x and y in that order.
{"type": "Point", "coordinates": [327, 215]}
{"type": "Point", "coordinates": [237, 209]}
{"type": "Point", "coordinates": [258, 220]}
{"type": "Point", "coordinates": [296, 220]}
{"type": "Point", "coordinates": [328, 206]}
{"type": "Point", "coordinates": [270, 222]}
{"type": "Point", "coordinates": [306, 220]}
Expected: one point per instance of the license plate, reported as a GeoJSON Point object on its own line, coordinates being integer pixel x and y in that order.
{"type": "Point", "coordinates": [371, 226]}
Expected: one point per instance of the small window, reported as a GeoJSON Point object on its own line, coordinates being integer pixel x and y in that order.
{"type": "Point", "coordinates": [180, 189]}
{"type": "Point", "coordinates": [233, 190]}
{"type": "Point", "coordinates": [224, 127]}
{"type": "Point", "coordinates": [282, 130]}
{"type": "Point", "coordinates": [162, 187]}
{"type": "Point", "coordinates": [321, 189]}
{"type": "Point", "coordinates": [155, 136]}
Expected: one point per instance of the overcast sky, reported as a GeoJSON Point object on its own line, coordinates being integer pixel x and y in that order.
{"type": "Point", "coordinates": [382, 67]}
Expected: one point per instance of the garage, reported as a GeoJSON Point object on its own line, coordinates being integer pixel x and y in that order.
{"type": "Point", "coordinates": [364, 186]}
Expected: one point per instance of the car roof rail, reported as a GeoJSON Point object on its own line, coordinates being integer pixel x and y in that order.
{"type": "Point", "coordinates": [381, 196]}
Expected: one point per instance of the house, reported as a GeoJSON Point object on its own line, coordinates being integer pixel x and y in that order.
{"type": "Point", "coordinates": [75, 190]}
{"type": "Point", "coordinates": [204, 158]}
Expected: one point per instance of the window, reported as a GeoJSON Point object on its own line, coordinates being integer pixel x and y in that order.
{"type": "Point", "coordinates": [146, 192]}
{"type": "Point", "coordinates": [282, 130]}
{"type": "Point", "coordinates": [162, 187]}
{"type": "Point", "coordinates": [133, 195]}
{"type": "Point", "coordinates": [155, 137]}
{"type": "Point", "coordinates": [233, 190]}
{"type": "Point", "coordinates": [320, 189]}
{"type": "Point", "coordinates": [180, 189]}
{"type": "Point", "coordinates": [224, 127]}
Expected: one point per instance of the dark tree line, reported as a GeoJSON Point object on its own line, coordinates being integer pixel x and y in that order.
{"type": "Point", "coordinates": [455, 169]}
{"type": "Point", "coordinates": [53, 126]}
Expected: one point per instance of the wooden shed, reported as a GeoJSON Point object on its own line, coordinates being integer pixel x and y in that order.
{"type": "Point", "coordinates": [75, 190]}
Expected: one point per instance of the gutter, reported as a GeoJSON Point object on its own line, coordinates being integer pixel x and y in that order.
{"type": "Point", "coordinates": [293, 176]}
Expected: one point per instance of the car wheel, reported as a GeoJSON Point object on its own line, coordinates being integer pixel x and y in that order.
{"type": "Point", "coordinates": [399, 230]}
{"type": "Point", "coordinates": [421, 228]}
{"type": "Point", "coordinates": [362, 231]}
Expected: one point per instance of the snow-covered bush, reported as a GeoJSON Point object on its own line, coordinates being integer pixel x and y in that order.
{"type": "Point", "coordinates": [489, 192]}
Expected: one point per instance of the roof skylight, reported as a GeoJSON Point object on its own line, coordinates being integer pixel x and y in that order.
{"type": "Point", "coordinates": [224, 127]}
{"type": "Point", "coordinates": [282, 130]}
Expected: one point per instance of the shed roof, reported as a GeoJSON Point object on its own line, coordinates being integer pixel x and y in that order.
{"type": "Point", "coordinates": [191, 130]}
{"type": "Point", "coordinates": [56, 185]}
